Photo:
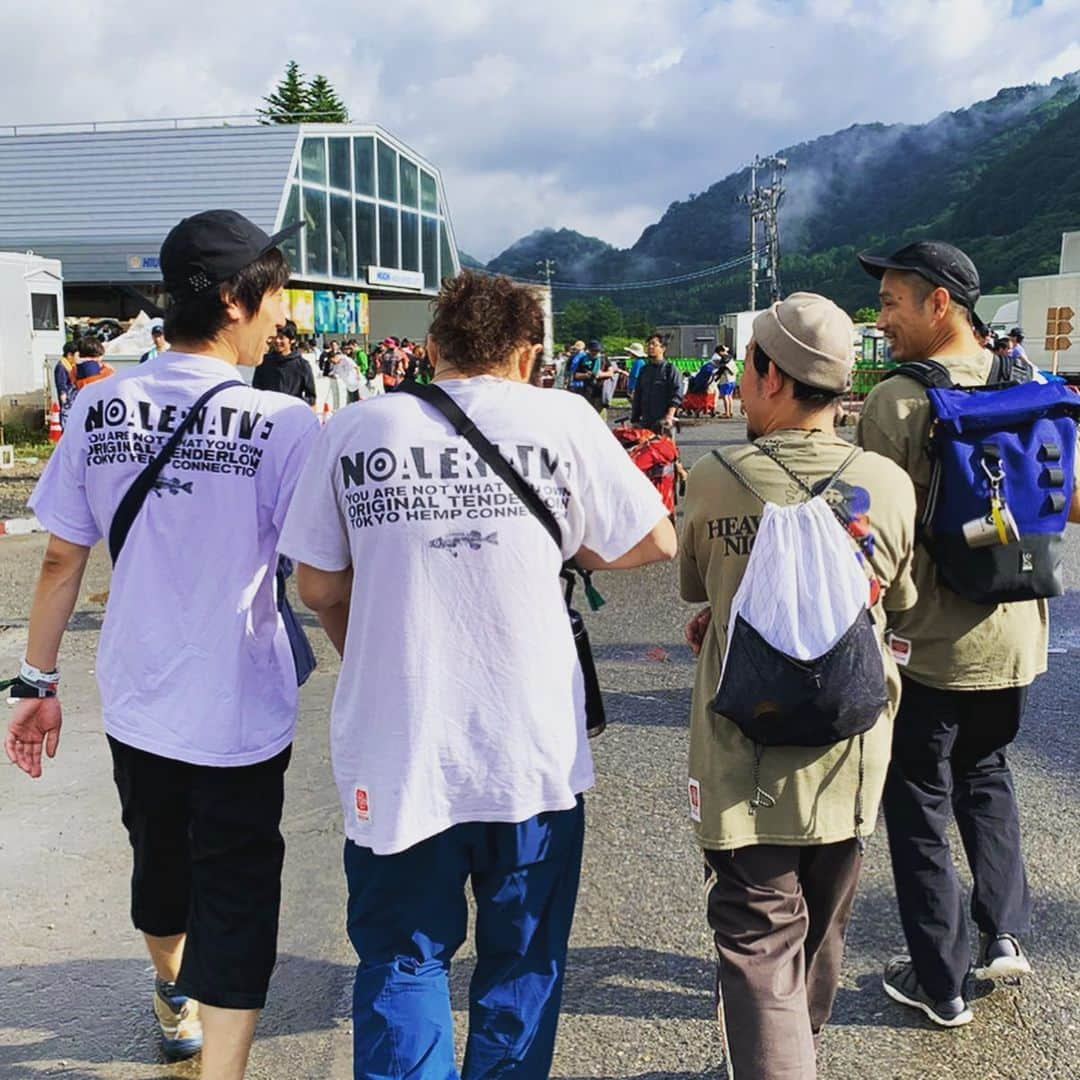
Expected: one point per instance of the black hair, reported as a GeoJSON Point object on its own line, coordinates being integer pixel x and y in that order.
{"type": "Point", "coordinates": [91, 347]}
{"type": "Point", "coordinates": [202, 317]}
{"type": "Point", "coordinates": [70, 347]}
{"type": "Point", "coordinates": [809, 395]}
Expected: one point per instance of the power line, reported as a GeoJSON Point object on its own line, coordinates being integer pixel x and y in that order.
{"type": "Point", "coordinates": [617, 286]}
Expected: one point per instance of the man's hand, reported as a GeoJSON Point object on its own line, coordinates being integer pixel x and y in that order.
{"type": "Point", "coordinates": [36, 721]}
{"type": "Point", "coordinates": [696, 629]}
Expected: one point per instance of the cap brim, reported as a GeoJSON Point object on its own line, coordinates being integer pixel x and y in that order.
{"type": "Point", "coordinates": [284, 234]}
{"type": "Point", "coordinates": [876, 265]}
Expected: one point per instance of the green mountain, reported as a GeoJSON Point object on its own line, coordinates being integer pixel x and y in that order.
{"type": "Point", "coordinates": [575, 256]}
{"type": "Point", "coordinates": [1000, 178]}
{"type": "Point", "coordinates": [468, 262]}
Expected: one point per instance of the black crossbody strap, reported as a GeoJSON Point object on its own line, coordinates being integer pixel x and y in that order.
{"type": "Point", "coordinates": [135, 496]}
{"type": "Point", "coordinates": [438, 398]}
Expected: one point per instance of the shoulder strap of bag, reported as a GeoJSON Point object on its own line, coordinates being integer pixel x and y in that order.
{"type": "Point", "coordinates": [927, 373]}
{"type": "Point", "coordinates": [135, 496]}
{"type": "Point", "coordinates": [438, 398]}
{"type": "Point", "coordinates": [809, 491]}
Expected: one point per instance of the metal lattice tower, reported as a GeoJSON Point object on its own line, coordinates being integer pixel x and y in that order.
{"type": "Point", "coordinates": [763, 200]}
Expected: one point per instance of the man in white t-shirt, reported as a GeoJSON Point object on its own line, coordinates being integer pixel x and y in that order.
{"type": "Point", "coordinates": [197, 679]}
{"type": "Point", "coordinates": [458, 731]}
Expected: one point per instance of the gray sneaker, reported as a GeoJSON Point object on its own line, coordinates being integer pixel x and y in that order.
{"type": "Point", "coordinates": [1000, 957]}
{"type": "Point", "coordinates": [902, 984]}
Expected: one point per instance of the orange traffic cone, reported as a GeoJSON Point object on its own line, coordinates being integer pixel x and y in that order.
{"type": "Point", "coordinates": [325, 412]}
{"type": "Point", "coordinates": [55, 430]}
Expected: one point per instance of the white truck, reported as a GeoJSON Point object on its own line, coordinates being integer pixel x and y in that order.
{"type": "Point", "coordinates": [31, 329]}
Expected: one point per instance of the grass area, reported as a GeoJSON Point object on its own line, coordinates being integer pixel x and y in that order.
{"type": "Point", "coordinates": [40, 449]}
{"type": "Point", "coordinates": [29, 442]}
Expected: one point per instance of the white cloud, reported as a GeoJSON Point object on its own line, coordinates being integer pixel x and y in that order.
{"type": "Point", "coordinates": [589, 115]}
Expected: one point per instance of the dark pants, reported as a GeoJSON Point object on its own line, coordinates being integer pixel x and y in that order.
{"type": "Point", "coordinates": [778, 916]}
{"type": "Point", "coordinates": [949, 748]}
{"type": "Point", "coordinates": [207, 863]}
{"type": "Point", "coordinates": [407, 918]}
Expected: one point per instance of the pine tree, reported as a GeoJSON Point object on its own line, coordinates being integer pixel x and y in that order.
{"type": "Point", "coordinates": [322, 104]}
{"type": "Point", "coordinates": [288, 104]}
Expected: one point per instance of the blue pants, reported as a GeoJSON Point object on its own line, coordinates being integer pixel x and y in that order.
{"type": "Point", "coordinates": [408, 916]}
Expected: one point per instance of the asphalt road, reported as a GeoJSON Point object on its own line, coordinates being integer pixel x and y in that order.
{"type": "Point", "coordinates": [75, 984]}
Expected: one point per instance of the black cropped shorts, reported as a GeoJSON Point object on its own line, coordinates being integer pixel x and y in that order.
{"type": "Point", "coordinates": [208, 853]}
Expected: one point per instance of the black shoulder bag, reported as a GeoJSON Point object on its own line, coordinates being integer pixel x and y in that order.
{"type": "Point", "coordinates": [437, 398]}
{"type": "Point", "coordinates": [135, 496]}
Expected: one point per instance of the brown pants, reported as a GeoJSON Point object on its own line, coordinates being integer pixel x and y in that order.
{"type": "Point", "coordinates": [778, 916]}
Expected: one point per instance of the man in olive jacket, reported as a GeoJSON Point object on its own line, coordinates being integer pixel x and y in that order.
{"type": "Point", "coordinates": [781, 827]}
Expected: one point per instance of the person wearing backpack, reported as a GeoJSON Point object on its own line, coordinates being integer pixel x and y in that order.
{"type": "Point", "coordinates": [993, 502]}
{"type": "Point", "coordinates": [797, 535]}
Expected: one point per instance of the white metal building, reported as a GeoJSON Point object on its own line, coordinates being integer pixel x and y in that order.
{"type": "Point", "coordinates": [101, 200]}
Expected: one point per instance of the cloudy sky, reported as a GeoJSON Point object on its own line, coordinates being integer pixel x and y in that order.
{"type": "Point", "coordinates": [589, 114]}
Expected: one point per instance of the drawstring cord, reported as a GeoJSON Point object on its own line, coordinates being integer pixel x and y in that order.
{"type": "Point", "coordinates": [859, 840]}
{"type": "Point", "coordinates": [762, 800]}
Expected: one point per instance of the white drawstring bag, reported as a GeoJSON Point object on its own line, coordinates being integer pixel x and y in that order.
{"type": "Point", "coordinates": [803, 665]}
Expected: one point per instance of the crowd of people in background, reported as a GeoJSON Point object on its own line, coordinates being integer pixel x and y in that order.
{"type": "Point", "coordinates": [289, 365]}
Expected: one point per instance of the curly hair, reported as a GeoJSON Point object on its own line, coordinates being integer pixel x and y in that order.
{"type": "Point", "coordinates": [479, 320]}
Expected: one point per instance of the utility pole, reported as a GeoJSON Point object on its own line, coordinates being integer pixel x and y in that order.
{"type": "Point", "coordinates": [764, 205]}
{"type": "Point", "coordinates": [547, 269]}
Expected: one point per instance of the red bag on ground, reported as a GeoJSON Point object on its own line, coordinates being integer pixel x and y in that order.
{"type": "Point", "coordinates": [655, 455]}
{"type": "Point", "coordinates": [697, 404]}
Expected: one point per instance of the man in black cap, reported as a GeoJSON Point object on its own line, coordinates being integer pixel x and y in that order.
{"type": "Point", "coordinates": [197, 680]}
{"type": "Point", "coordinates": [965, 669]}
{"type": "Point", "coordinates": [284, 369]}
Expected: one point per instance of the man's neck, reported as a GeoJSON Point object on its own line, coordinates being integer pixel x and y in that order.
{"type": "Point", "coordinates": [822, 420]}
{"type": "Point", "coordinates": [953, 343]}
{"type": "Point", "coordinates": [217, 349]}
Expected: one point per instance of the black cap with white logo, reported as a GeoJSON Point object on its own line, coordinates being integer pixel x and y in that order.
{"type": "Point", "coordinates": [209, 248]}
{"type": "Point", "coordinates": [939, 263]}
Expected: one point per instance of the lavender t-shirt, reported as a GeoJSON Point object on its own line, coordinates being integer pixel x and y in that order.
{"type": "Point", "coordinates": [193, 662]}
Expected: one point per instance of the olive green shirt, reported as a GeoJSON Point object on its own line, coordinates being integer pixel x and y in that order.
{"type": "Point", "coordinates": [946, 641]}
{"type": "Point", "coordinates": [814, 787]}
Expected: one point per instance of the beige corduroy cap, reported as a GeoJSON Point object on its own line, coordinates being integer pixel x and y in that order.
{"type": "Point", "coordinates": [809, 338]}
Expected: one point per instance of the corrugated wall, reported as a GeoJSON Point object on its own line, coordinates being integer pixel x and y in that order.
{"type": "Point", "coordinates": [63, 194]}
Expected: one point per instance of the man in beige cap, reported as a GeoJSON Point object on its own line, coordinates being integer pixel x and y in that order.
{"type": "Point", "coordinates": [781, 831]}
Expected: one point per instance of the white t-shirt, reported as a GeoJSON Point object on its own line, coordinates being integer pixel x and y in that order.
{"type": "Point", "coordinates": [193, 662]}
{"type": "Point", "coordinates": [345, 371]}
{"type": "Point", "coordinates": [460, 697]}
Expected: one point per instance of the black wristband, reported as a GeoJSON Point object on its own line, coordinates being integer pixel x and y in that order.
{"type": "Point", "coordinates": [20, 688]}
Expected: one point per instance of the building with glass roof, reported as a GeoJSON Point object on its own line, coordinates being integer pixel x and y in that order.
{"type": "Point", "coordinates": [102, 198]}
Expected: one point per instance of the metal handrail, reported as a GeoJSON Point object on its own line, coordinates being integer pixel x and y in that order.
{"type": "Point", "coordinates": [172, 123]}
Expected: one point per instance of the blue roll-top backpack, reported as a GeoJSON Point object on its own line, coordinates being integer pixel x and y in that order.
{"type": "Point", "coordinates": [1002, 458]}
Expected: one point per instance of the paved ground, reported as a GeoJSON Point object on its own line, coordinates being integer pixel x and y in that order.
{"type": "Point", "coordinates": [74, 987]}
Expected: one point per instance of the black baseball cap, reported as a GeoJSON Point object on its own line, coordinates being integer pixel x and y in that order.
{"type": "Point", "coordinates": [209, 248]}
{"type": "Point", "coordinates": [594, 346]}
{"type": "Point", "coordinates": [939, 263]}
